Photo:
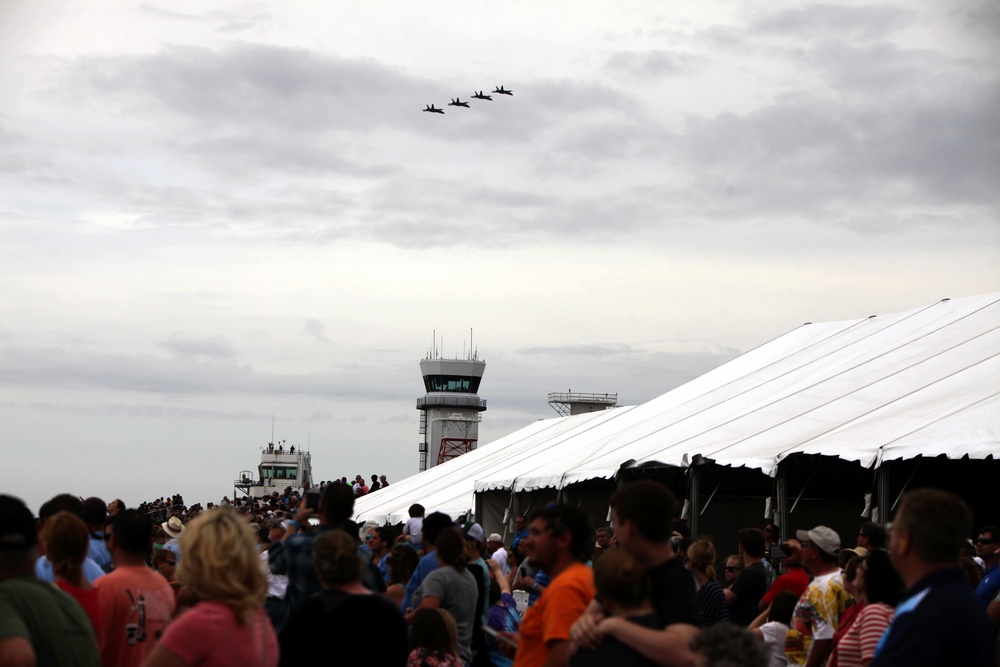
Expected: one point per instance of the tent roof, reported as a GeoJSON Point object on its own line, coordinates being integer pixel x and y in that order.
{"type": "Point", "coordinates": [920, 382]}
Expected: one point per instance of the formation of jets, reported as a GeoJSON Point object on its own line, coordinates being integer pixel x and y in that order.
{"type": "Point", "coordinates": [499, 90]}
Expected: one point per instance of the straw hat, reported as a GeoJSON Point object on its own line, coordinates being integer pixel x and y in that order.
{"type": "Point", "coordinates": [173, 526]}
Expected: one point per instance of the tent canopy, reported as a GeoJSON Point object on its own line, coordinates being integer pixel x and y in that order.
{"type": "Point", "coordinates": [920, 382]}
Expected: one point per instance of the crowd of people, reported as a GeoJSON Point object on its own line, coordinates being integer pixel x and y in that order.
{"type": "Point", "coordinates": [284, 579]}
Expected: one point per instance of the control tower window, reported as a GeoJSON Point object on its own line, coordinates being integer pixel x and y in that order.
{"type": "Point", "coordinates": [277, 472]}
{"type": "Point", "coordinates": [456, 383]}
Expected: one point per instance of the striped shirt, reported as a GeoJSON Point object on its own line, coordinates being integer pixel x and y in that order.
{"type": "Point", "coordinates": [860, 640]}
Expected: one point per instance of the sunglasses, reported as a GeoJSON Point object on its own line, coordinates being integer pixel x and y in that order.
{"type": "Point", "coordinates": [732, 569]}
{"type": "Point", "coordinates": [985, 541]}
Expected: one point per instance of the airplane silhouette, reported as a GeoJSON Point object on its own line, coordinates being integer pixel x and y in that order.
{"type": "Point", "coordinates": [432, 109]}
{"type": "Point", "coordinates": [456, 103]}
{"type": "Point", "coordinates": [501, 91]}
{"type": "Point", "coordinates": [480, 96]}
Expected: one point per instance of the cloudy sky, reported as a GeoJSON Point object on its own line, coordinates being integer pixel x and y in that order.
{"type": "Point", "coordinates": [212, 213]}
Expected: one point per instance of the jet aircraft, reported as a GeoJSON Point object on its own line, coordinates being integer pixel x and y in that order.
{"type": "Point", "coordinates": [433, 109]}
{"type": "Point", "coordinates": [500, 91]}
{"type": "Point", "coordinates": [480, 96]}
{"type": "Point", "coordinates": [456, 103]}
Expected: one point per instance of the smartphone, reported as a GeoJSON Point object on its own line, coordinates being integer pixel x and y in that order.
{"type": "Point", "coordinates": [312, 500]}
{"type": "Point", "coordinates": [779, 551]}
{"type": "Point", "coordinates": [498, 636]}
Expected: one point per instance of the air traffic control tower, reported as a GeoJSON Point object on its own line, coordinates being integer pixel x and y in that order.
{"type": "Point", "coordinates": [449, 411]}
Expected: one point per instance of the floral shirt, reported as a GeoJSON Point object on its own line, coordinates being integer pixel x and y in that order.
{"type": "Point", "coordinates": [421, 657]}
{"type": "Point", "coordinates": [816, 616]}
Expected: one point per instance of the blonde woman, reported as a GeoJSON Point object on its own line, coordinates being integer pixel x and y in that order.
{"type": "Point", "coordinates": [712, 607]}
{"type": "Point", "coordinates": [228, 626]}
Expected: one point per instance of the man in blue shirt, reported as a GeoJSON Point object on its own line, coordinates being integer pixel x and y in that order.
{"type": "Point", "coordinates": [986, 547]}
{"type": "Point", "coordinates": [520, 532]}
{"type": "Point", "coordinates": [939, 623]}
{"type": "Point", "coordinates": [434, 523]}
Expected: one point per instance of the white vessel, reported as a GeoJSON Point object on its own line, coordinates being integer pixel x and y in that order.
{"type": "Point", "coordinates": [280, 467]}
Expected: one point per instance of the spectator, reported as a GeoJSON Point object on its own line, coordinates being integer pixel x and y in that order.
{"type": "Point", "coordinates": [733, 569]}
{"type": "Point", "coordinates": [727, 645]}
{"type": "Point", "coordinates": [402, 562]}
{"type": "Point", "coordinates": [793, 578]}
{"type": "Point", "coordinates": [986, 546]}
{"type": "Point", "coordinates": [559, 541]}
{"type": "Point", "coordinates": [433, 640]}
{"type": "Point", "coordinates": [520, 531]}
{"type": "Point", "coordinates": [173, 527]}
{"type": "Point", "coordinates": [67, 543]}
{"type": "Point", "coordinates": [641, 516]}
{"type": "Point", "coordinates": [38, 624]}
{"type": "Point", "coordinates": [379, 540]}
{"type": "Point", "coordinates": [451, 587]}
{"type": "Point", "coordinates": [872, 536]}
{"type": "Point", "coordinates": [810, 637]}
{"type": "Point", "coordinates": [277, 584]}
{"type": "Point", "coordinates": [938, 623]}
{"type": "Point", "coordinates": [432, 527]}
{"type": "Point", "coordinates": [95, 515]}
{"type": "Point", "coordinates": [503, 617]}
{"type": "Point", "coordinates": [711, 599]}
{"type": "Point", "coordinates": [115, 506]}
{"type": "Point", "coordinates": [345, 606]}
{"type": "Point", "coordinates": [222, 570]}
{"type": "Point", "coordinates": [375, 485]}
{"type": "Point", "coordinates": [413, 528]}
{"type": "Point", "coordinates": [63, 502]}
{"type": "Point", "coordinates": [748, 589]}
{"type": "Point", "coordinates": [624, 588]}
{"type": "Point", "coordinates": [473, 533]}
{"type": "Point", "coordinates": [293, 555]}
{"type": "Point", "coordinates": [877, 589]}
{"type": "Point", "coordinates": [494, 546]}
{"type": "Point", "coordinates": [383, 481]}
{"type": "Point", "coordinates": [136, 603]}
{"type": "Point", "coordinates": [604, 540]}
{"type": "Point", "coordinates": [775, 629]}
{"type": "Point", "coordinates": [165, 562]}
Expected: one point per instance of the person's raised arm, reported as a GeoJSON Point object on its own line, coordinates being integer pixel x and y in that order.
{"type": "Point", "coordinates": [670, 647]}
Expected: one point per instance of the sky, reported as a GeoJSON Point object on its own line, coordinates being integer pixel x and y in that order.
{"type": "Point", "coordinates": [219, 218]}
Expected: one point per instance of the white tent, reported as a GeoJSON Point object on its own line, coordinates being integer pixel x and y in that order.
{"type": "Point", "coordinates": [920, 382]}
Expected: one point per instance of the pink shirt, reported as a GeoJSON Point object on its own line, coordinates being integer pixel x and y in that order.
{"type": "Point", "coordinates": [210, 635]}
{"type": "Point", "coordinates": [859, 642]}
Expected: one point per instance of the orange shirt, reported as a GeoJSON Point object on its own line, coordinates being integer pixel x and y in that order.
{"type": "Point", "coordinates": [550, 618]}
{"type": "Point", "coordinates": [136, 604]}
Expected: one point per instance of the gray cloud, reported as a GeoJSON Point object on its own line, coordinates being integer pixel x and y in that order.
{"type": "Point", "coordinates": [315, 330]}
{"type": "Point", "coordinates": [212, 348]}
{"type": "Point", "coordinates": [835, 21]}
{"type": "Point", "coordinates": [644, 66]}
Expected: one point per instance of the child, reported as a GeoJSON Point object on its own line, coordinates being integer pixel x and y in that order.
{"type": "Point", "coordinates": [623, 590]}
{"type": "Point", "coordinates": [413, 530]}
{"type": "Point", "coordinates": [433, 639]}
{"type": "Point", "coordinates": [773, 632]}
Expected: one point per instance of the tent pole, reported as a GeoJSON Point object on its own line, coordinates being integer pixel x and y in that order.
{"type": "Point", "coordinates": [694, 491]}
{"type": "Point", "coordinates": [714, 491]}
{"type": "Point", "coordinates": [805, 486]}
{"type": "Point", "coordinates": [906, 485]}
{"type": "Point", "coordinates": [883, 493]}
{"type": "Point", "coordinates": [781, 490]}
